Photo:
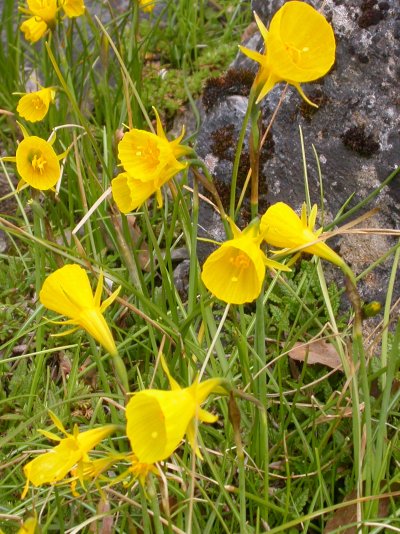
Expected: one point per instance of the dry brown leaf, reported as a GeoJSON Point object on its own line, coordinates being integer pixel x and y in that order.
{"type": "Point", "coordinates": [348, 515]}
{"type": "Point", "coordinates": [318, 351]}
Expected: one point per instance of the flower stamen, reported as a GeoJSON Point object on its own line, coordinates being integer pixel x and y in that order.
{"type": "Point", "coordinates": [39, 163]}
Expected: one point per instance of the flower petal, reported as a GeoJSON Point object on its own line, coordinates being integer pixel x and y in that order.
{"type": "Point", "coordinates": [129, 193]}
{"type": "Point", "coordinates": [157, 421]}
{"type": "Point", "coordinates": [67, 291]}
{"type": "Point", "coordinates": [235, 271]}
{"type": "Point", "coordinates": [37, 163]}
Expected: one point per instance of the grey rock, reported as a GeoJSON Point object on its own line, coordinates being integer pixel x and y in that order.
{"type": "Point", "coordinates": [355, 131]}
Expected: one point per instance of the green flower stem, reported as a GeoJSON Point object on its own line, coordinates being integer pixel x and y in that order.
{"type": "Point", "coordinates": [121, 372]}
{"type": "Point", "coordinates": [147, 526]}
{"type": "Point", "coordinates": [260, 388]}
{"type": "Point", "coordinates": [350, 371]}
{"type": "Point", "coordinates": [254, 151]}
{"type": "Point", "coordinates": [263, 422]}
{"type": "Point", "coordinates": [38, 213]}
{"type": "Point", "coordinates": [386, 313]}
{"type": "Point", "coordinates": [234, 417]}
{"type": "Point", "coordinates": [208, 184]}
{"type": "Point", "coordinates": [381, 433]}
{"type": "Point", "coordinates": [238, 153]}
{"type": "Point", "coordinates": [135, 63]}
{"type": "Point", "coordinates": [155, 508]}
{"type": "Point", "coordinates": [359, 359]}
{"type": "Point", "coordinates": [194, 264]}
{"type": "Point", "coordinates": [391, 364]}
{"type": "Point", "coordinates": [123, 238]}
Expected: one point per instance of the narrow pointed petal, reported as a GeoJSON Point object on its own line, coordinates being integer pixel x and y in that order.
{"type": "Point", "coordinates": [202, 390]}
{"type": "Point", "coordinates": [261, 27]}
{"type": "Point", "coordinates": [252, 54]}
{"type": "Point", "coordinates": [159, 198]}
{"type": "Point", "coordinates": [312, 218]}
{"type": "Point", "coordinates": [160, 129]}
{"type": "Point", "coordinates": [276, 266]}
{"type": "Point", "coordinates": [192, 438]}
{"type": "Point", "coordinates": [50, 435]}
{"type": "Point", "coordinates": [99, 290]}
{"type": "Point", "coordinates": [304, 96]}
{"type": "Point", "coordinates": [90, 438]}
{"type": "Point", "coordinates": [106, 303]}
{"type": "Point", "coordinates": [206, 417]}
{"type": "Point", "coordinates": [268, 85]}
{"type": "Point", "coordinates": [172, 382]}
{"type": "Point", "coordinates": [57, 422]}
{"type": "Point", "coordinates": [66, 332]}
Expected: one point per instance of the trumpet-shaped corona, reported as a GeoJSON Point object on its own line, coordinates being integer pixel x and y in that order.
{"type": "Point", "coordinates": [235, 271]}
{"type": "Point", "coordinates": [33, 29]}
{"type": "Point", "coordinates": [130, 193]}
{"type": "Point", "coordinates": [37, 163]}
{"type": "Point", "coordinates": [53, 466]}
{"type": "Point", "coordinates": [281, 227]}
{"type": "Point", "coordinates": [44, 9]}
{"type": "Point", "coordinates": [158, 420]}
{"type": "Point", "coordinates": [34, 106]}
{"type": "Point", "coordinates": [73, 8]}
{"type": "Point", "coordinates": [67, 291]}
{"type": "Point", "coordinates": [299, 48]}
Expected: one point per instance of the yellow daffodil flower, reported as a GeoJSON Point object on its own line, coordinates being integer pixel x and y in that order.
{"type": "Point", "coordinates": [73, 8]}
{"type": "Point", "coordinates": [147, 5]}
{"type": "Point", "coordinates": [299, 48]}
{"type": "Point", "coordinates": [282, 227]}
{"type": "Point", "coordinates": [33, 29]}
{"type": "Point", "coordinates": [235, 271]}
{"type": "Point", "coordinates": [43, 13]}
{"type": "Point", "coordinates": [44, 9]}
{"type": "Point", "coordinates": [130, 193]}
{"type": "Point", "coordinates": [37, 163]}
{"type": "Point", "coordinates": [150, 160]}
{"type": "Point", "coordinates": [158, 420]}
{"type": "Point", "coordinates": [53, 466]}
{"type": "Point", "coordinates": [28, 526]}
{"type": "Point", "coordinates": [44, 16]}
{"type": "Point", "coordinates": [34, 106]}
{"type": "Point", "coordinates": [67, 291]}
